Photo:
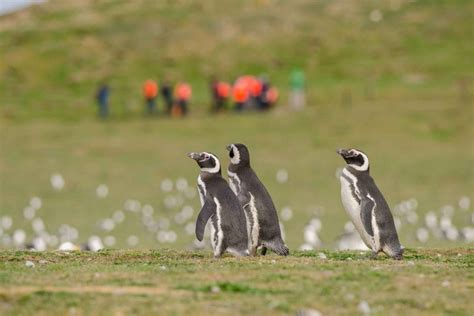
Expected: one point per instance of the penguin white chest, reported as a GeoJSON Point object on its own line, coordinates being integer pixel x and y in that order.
{"type": "Point", "coordinates": [201, 190]}
{"type": "Point", "coordinates": [234, 182]}
{"type": "Point", "coordinates": [352, 207]}
{"type": "Point", "coordinates": [217, 234]}
{"type": "Point", "coordinates": [253, 227]}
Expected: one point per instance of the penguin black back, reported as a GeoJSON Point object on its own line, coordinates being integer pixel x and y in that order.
{"type": "Point", "coordinates": [256, 201]}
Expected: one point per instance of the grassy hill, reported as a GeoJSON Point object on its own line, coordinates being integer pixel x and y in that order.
{"type": "Point", "coordinates": [399, 89]}
{"type": "Point", "coordinates": [55, 54]}
{"type": "Point", "coordinates": [428, 282]}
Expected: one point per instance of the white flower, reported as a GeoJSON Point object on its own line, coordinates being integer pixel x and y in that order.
{"type": "Point", "coordinates": [29, 212]}
{"type": "Point", "coordinates": [376, 16]}
{"type": "Point", "coordinates": [181, 184]}
{"type": "Point", "coordinates": [282, 176]}
{"type": "Point", "coordinates": [57, 181]}
{"type": "Point", "coordinates": [132, 240]}
{"type": "Point", "coordinates": [286, 214]}
{"type": "Point", "coordinates": [35, 203]}
{"type": "Point", "coordinates": [166, 185]}
{"type": "Point", "coordinates": [102, 191]}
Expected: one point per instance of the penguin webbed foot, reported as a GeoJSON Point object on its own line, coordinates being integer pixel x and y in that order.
{"type": "Point", "coordinates": [373, 255]}
{"type": "Point", "coordinates": [398, 257]}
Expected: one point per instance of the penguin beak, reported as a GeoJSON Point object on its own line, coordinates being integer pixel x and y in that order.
{"type": "Point", "coordinates": [195, 156]}
{"type": "Point", "coordinates": [229, 147]}
{"type": "Point", "coordinates": [341, 151]}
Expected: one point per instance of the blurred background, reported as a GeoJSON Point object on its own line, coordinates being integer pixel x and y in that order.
{"type": "Point", "coordinates": [101, 100]}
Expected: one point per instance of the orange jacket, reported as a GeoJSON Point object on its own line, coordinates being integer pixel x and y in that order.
{"type": "Point", "coordinates": [150, 89]}
{"type": "Point", "coordinates": [223, 89]}
{"type": "Point", "coordinates": [240, 93]}
{"type": "Point", "coordinates": [182, 91]}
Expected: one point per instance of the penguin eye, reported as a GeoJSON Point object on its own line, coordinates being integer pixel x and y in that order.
{"type": "Point", "coordinates": [206, 157]}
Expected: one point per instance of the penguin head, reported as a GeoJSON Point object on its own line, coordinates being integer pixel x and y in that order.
{"type": "Point", "coordinates": [355, 158]}
{"type": "Point", "coordinates": [208, 162]}
{"type": "Point", "coordinates": [239, 155]}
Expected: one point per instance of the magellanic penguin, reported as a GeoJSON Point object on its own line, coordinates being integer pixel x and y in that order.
{"type": "Point", "coordinates": [262, 217]}
{"type": "Point", "coordinates": [228, 226]}
{"type": "Point", "coordinates": [366, 206]}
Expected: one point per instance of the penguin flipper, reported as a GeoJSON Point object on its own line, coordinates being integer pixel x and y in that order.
{"type": "Point", "coordinates": [208, 209]}
{"type": "Point", "coordinates": [366, 209]}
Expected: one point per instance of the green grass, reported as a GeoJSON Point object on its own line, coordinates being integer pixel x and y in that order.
{"type": "Point", "coordinates": [408, 157]}
{"type": "Point", "coordinates": [55, 54]}
{"type": "Point", "coordinates": [427, 282]}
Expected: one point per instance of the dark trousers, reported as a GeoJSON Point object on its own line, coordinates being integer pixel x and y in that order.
{"type": "Point", "coordinates": [183, 104]}
{"type": "Point", "coordinates": [150, 105]}
{"type": "Point", "coordinates": [103, 110]}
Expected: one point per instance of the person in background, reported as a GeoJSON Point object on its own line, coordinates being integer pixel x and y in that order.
{"type": "Point", "coordinates": [256, 89]}
{"type": "Point", "coordinates": [150, 91]}
{"type": "Point", "coordinates": [182, 94]}
{"type": "Point", "coordinates": [262, 100]}
{"type": "Point", "coordinates": [271, 97]}
{"type": "Point", "coordinates": [240, 94]}
{"type": "Point", "coordinates": [297, 93]}
{"type": "Point", "coordinates": [220, 94]}
{"type": "Point", "coordinates": [167, 94]}
{"type": "Point", "coordinates": [102, 97]}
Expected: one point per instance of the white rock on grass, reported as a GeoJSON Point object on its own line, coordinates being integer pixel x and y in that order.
{"type": "Point", "coordinates": [29, 264]}
{"type": "Point", "coordinates": [68, 246]}
{"type": "Point", "coordinates": [321, 255]}
{"type": "Point", "coordinates": [95, 243]}
{"type": "Point", "coordinates": [308, 312]}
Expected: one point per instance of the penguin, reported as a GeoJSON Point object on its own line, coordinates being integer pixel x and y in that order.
{"type": "Point", "coordinates": [262, 218]}
{"type": "Point", "coordinates": [220, 205]}
{"type": "Point", "coordinates": [367, 207]}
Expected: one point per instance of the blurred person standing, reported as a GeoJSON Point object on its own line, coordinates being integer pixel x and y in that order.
{"type": "Point", "coordinates": [150, 92]}
{"type": "Point", "coordinates": [240, 94]}
{"type": "Point", "coordinates": [297, 94]}
{"type": "Point", "coordinates": [271, 97]}
{"type": "Point", "coordinates": [256, 91]}
{"type": "Point", "coordinates": [102, 97]}
{"type": "Point", "coordinates": [262, 98]}
{"type": "Point", "coordinates": [220, 93]}
{"type": "Point", "coordinates": [167, 94]}
{"type": "Point", "coordinates": [182, 94]}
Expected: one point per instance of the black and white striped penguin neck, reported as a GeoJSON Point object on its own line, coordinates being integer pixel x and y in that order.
{"type": "Point", "coordinates": [239, 156]}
